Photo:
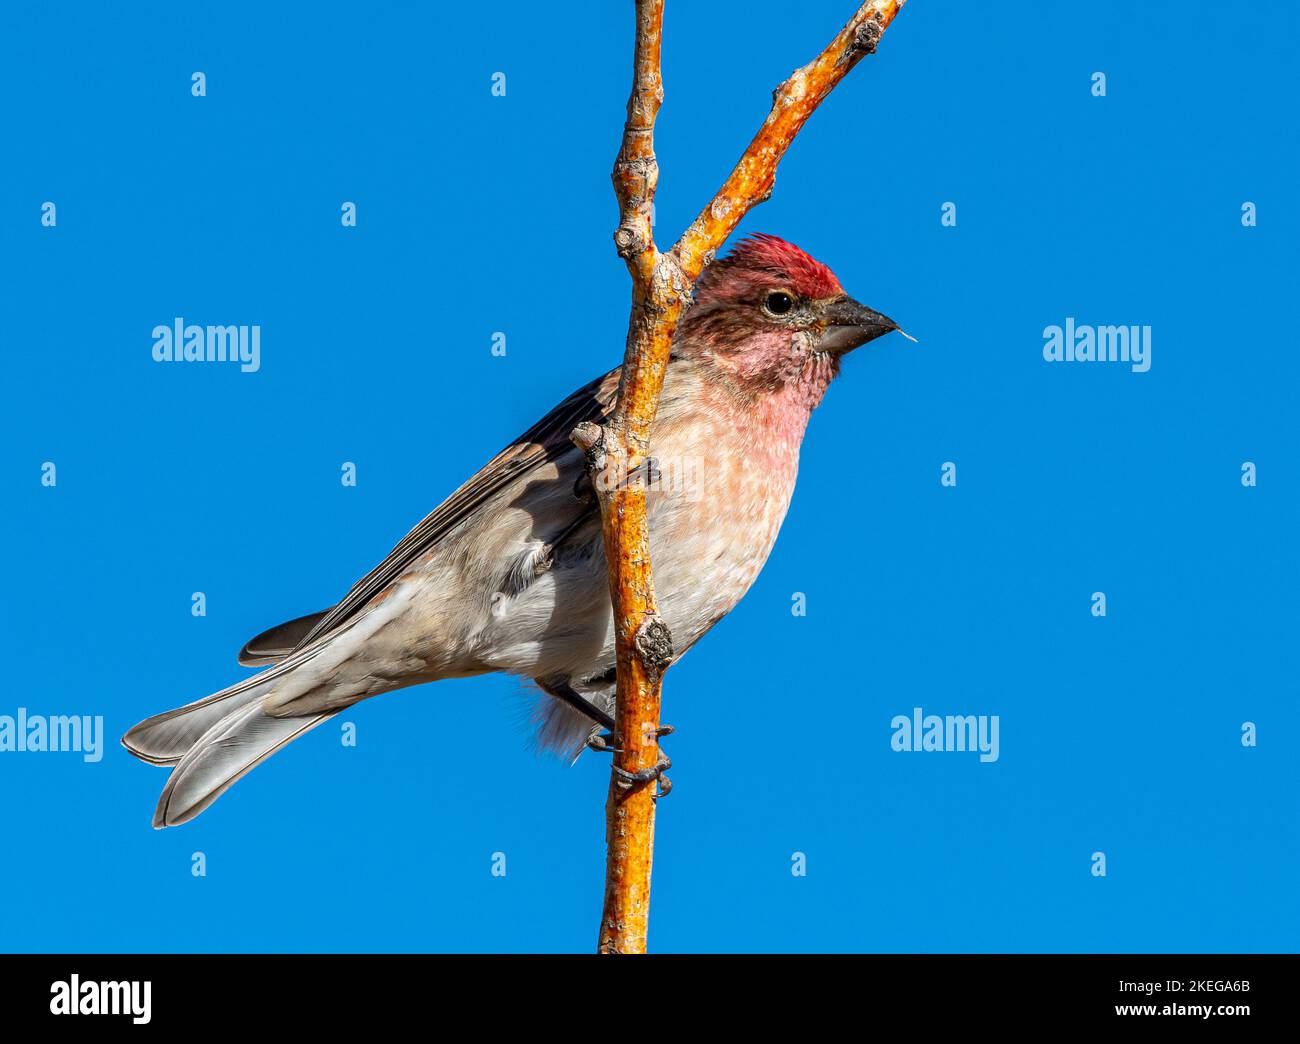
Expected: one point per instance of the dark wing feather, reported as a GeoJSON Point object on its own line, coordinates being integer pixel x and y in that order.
{"type": "Point", "coordinates": [273, 645]}
{"type": "Point", "coordinates": [544, 442]}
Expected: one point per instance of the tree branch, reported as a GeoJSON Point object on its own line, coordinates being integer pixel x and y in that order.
{"type": "Point", "coordinates": [661, 288]}
{"type": "Point", "coordinates": [752, 180]}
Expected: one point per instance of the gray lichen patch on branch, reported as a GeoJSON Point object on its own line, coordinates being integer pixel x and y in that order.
{"type": "Point", "coordinates": [865, 39]}
{"type": "Point", "coordinates": [643, 170]}
{"type": "Point", "coordinates": [654, 644]}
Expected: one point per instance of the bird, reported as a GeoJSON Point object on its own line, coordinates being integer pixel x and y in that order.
{"type": "Point", "coordinates": [508, 574]}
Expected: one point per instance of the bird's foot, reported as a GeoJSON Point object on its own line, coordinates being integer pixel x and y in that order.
{"type": "Point", "coordinates": [604, 744]}
{"type": "Point", "coordinates": [628, 780]}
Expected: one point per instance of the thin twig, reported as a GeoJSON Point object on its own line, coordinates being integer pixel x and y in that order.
{"type": "Point", "coordinates": [661, 287]}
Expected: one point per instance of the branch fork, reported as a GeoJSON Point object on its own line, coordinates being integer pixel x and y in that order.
{"type": "Point", "coordinates": [662, 283]}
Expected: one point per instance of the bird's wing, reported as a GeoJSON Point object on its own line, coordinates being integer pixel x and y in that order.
{"type": "Point", "coordinates": [542, 443]}
{"type": "Point", "coordinates": [275, 643]}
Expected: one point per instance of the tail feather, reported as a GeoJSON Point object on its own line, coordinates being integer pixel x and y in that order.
{"type": "Point", "coordinates": [216, 741]}
{"type": "Point", "coordinates": [229, 750]}
{"type": "Point", "coordinates": [166, 738]}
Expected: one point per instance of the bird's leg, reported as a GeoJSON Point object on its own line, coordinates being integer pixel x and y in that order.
{"type": "Point", "coordinates": [648, 470]}
{"type": "Point", "coordinates": [566, 693]}
{"type": "Point", "coordinates": [603, 742]}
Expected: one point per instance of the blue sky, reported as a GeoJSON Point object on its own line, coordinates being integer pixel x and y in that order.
{"type": "Point", "coordinates": [479, 214]}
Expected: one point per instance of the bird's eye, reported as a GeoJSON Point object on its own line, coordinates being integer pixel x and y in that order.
{"type": "Point", "coordinates": [778, 302]}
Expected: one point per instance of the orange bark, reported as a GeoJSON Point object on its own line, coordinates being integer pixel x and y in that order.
{"type": "Point", "coordinates": [661, 287]}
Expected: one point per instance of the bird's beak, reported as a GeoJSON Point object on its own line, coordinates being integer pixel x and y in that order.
{"type": "Point", "coordinates": [850, 325]}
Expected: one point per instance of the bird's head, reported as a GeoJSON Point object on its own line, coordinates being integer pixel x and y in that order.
{"type": "Point", "coordinates": [768, 317]}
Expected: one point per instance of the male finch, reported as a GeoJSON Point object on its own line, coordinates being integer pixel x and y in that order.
{"type": "Point", "coordinates": [508, 574]}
